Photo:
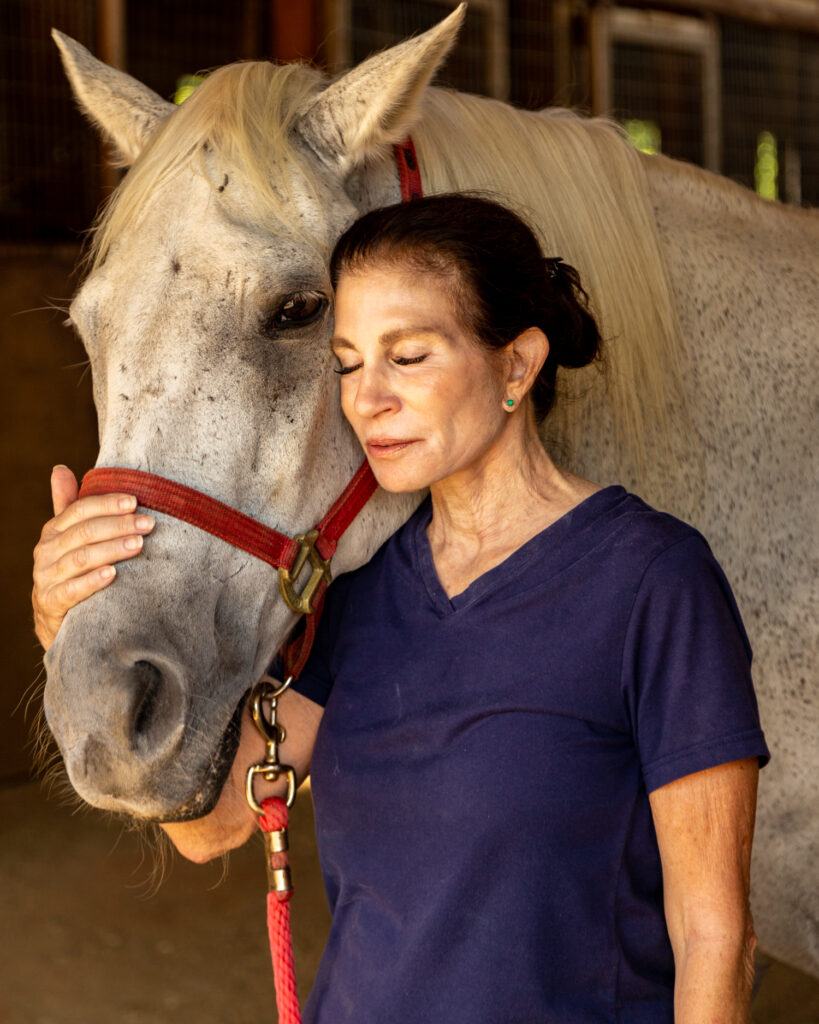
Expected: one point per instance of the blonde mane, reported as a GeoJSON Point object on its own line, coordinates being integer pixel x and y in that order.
{"type": "Point", "coordinates": [245, 112]}
{"type": "Point", "coordinates": [583, 187]}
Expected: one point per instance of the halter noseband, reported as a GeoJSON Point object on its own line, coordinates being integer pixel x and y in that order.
{"type": "Point", "coordinates": [287, 554]}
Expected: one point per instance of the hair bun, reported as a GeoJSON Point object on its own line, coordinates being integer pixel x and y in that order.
{"type": "Point", "coordinates": [552, 265]}
{"type": "Point", "coordinates": [576, 341]}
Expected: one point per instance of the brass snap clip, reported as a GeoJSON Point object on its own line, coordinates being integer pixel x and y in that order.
{"type": "Point", "coordinates": [273, 734]}
{"type": "Point", "coordinates": [301, 602]}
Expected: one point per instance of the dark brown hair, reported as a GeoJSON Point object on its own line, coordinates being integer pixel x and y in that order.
{"type": "Point", "coordinates": [502, 284]}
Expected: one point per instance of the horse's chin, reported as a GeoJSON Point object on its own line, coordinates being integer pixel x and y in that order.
{"type": "Point", "coordinates": [231, 822]}
{"type": "Point", "coordinates": [207, 795]}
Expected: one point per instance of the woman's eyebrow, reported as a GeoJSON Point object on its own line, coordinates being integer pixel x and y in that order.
{"type": "Point", "coordinates": [399, 333]}
{"type": "Point", "coordinates": [394, 335]}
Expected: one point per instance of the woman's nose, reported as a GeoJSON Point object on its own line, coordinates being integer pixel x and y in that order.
{"type": "Point", "coordinates": [373, 394]}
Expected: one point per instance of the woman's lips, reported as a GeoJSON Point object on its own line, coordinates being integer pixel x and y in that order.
{"type": "Point", "coordinates": [383, 447]}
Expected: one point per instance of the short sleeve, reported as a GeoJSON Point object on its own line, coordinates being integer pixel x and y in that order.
{"type": "Point", "coordinates": [687, 669]}
{"type": "Point", "coordinates": [316, 679]}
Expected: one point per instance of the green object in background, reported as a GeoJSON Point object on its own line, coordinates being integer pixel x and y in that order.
{"type": "Point", "coordinates": [185, 85]}
{"type": "Point", "coordinates": [766, 166]}
{"type": "Point", "coordinates": [644, 135]}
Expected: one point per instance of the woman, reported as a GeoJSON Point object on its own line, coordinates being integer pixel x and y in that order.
{"type": "Point", "coordinates": [535, 775]}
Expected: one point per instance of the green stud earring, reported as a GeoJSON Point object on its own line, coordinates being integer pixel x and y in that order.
{"type": "Point", "coordinates": [510, 402]}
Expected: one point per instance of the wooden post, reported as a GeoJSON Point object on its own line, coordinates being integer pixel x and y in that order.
{"type": "Point", "coordinates": [797, 15]}
{"type": "Point", "coordinates": [295, 36]}
{"type": "Point", "coordinates": [111, 49]}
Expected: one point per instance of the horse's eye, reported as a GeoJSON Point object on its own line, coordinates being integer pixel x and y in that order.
{"type": "Point", "coordinates": [297, 310]}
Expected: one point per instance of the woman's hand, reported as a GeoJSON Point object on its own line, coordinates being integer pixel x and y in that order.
{"type": "Point", "coordinates": [77, 549]}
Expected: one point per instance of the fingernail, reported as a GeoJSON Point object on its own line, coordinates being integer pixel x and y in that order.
{"type": "Point", "coordinates": [59, 465]}
{"type": "Point", "coordinates": [133, 543]}
{"type": "Point", "coordinates": [127, 504]}
{"type": "Point", "coordinates": [108, 572]}
{"type": "Point", "coordinates": [144, 522]}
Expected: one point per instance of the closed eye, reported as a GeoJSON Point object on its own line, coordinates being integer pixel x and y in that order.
{"type": "Point", "coordinates": [409, 362]}
{"type": "Point", "coordinates": [398, 360]}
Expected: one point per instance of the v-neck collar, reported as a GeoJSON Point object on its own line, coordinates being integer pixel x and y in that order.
{"type": "Point", "coordinates": [553, 546]}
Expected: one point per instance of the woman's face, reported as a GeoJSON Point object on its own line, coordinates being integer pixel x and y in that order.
{"type": "Point", "coordinates": [423, 397]}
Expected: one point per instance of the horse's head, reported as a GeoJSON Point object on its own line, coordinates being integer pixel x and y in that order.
{"type": "Point", "coordinates": [206, 317]}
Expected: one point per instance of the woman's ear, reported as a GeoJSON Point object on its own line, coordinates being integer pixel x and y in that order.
{"type": "Point", "coordinates": [525, 357]}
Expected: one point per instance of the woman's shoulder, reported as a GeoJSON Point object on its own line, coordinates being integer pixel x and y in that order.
{"type": "Point", "coordinates": [648, 527]}
{"type": "Point", "coordinates": [637, 540]}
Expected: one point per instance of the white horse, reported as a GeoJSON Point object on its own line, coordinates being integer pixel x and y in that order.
{"type": "Point", "coordinates": [206, 316]}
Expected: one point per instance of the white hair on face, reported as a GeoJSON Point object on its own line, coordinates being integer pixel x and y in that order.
{"type": "Point", "coordinates": [246, 113]}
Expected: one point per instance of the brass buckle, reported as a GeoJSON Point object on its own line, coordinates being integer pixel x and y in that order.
{"type": "Point", "coordinates": [301, 602]}
{"type": "Point", "coordinates": [273, 734]}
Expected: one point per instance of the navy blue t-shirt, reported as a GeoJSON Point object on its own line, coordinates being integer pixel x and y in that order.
{"type": "Point", "coordinates": [482, 769]}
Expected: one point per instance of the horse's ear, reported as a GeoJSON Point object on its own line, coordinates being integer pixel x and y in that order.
{"type": "Point", "coordinates": [375, 104]}
{"type": "Point", "coordinates": [126, 111]}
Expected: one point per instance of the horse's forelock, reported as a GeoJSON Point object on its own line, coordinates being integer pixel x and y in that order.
{"type": "Point", "coordinates": [246, 113]}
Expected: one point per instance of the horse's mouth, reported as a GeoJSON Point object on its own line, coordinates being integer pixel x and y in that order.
{"type": "Point", "coordinates": [207, 795]}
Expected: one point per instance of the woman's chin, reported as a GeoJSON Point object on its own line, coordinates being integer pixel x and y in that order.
{"type": "Point", "coordinates": [229, 825]}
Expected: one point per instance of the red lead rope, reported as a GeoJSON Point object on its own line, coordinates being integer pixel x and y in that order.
{"type": "Point", "coordinates": [274, 823]}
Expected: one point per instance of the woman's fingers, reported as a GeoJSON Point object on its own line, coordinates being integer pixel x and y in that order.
{"type": "Point", "coordinates": [62, 536]}
{"type": "Point", "coordinates": [78, 561]}
{"type": "Point", "coordinates": [52, 603]}
{"type": "Point", "coordinates": [64, 488]}
{"type": "Point", "coordinates": [84, 510]}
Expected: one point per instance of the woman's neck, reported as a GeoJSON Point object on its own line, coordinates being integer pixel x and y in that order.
{"type": "Point", "coordinates": [487, 511]}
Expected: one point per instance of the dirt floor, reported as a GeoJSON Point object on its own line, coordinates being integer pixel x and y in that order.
{"type": "Point", "coordinates": [82, 943]}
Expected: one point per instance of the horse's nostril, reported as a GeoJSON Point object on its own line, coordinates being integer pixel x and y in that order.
{"type": "Point", "coordinates": [155, 719]}
{"type": "Point", "coordinates": [148, 681]}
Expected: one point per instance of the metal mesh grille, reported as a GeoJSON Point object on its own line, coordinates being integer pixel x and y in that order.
{"type": "Point", "coordinates": [375, 26]}
{"type": "Point", "coordinates": [661, 86]}
{"type": "Point", "coordinates": [771, 84]}
{"type": "Point", "coordinates": [166, 40]}
{"type": "Point", "coordinates": [50, 160]}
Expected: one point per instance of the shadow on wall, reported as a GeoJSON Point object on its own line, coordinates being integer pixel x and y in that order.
{"type": "Point", "coordinates": [46, 416]}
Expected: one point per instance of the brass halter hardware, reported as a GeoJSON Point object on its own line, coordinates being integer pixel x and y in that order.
{"type": "Point", "coordinates": [270, 769]}
{"type": "Point", "coordinates": [302, 602]}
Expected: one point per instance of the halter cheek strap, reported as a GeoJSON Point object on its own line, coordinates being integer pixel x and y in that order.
{"type": "Point", "coordinates": [409, 173]}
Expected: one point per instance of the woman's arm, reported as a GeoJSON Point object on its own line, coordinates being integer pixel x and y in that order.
{"type": "Point", "coordinates": [705, 826]}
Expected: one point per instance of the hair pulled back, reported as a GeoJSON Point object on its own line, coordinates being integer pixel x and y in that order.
{"type": "Point", "coordinates": [502, 284]}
